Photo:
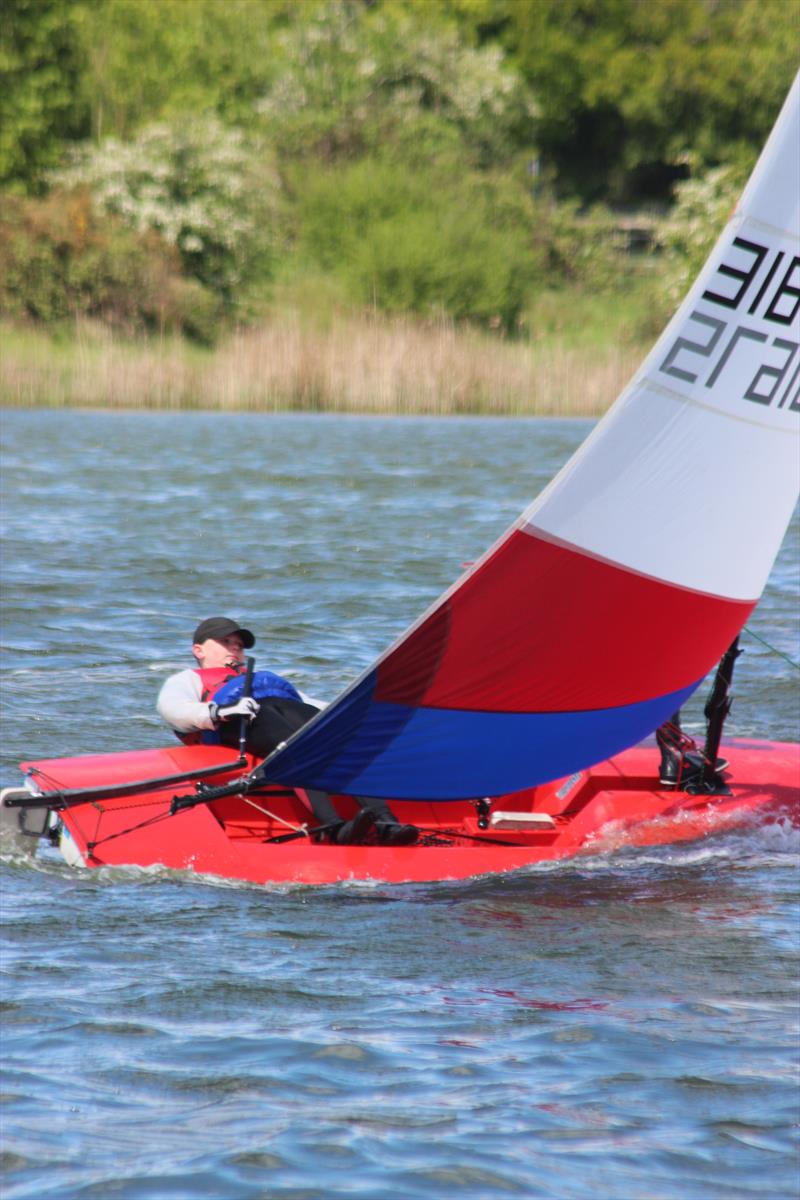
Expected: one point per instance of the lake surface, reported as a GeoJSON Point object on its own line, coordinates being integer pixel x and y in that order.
{"type": "Point", "coordinates": [620, 1028]}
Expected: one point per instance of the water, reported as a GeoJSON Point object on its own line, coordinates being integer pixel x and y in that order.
{"type": "Point", "coordinates": [621, 1028]}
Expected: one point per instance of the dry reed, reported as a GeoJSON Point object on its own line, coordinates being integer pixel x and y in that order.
{"type": "Point", "coordinates": [358, 364]}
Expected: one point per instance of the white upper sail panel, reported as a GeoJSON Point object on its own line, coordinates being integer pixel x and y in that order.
{"type": "Point", "coordinates": [693, 475]}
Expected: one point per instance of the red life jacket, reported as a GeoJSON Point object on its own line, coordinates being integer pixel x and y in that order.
{"type": "Point", "coordinates": [212, 679]}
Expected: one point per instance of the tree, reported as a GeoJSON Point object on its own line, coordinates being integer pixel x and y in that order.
{"type": "Point", "coordinates": [150, 60]}
{"type": "Point", "coordinates": [351, 79]}
{"type": "Point", "coordinates": [626, 88]}
{"type": "Point", "coordinates": [41, 102]}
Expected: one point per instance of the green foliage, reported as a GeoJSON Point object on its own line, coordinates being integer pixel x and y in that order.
{"type": "Point", "coordinates": [580, 317]}
{"type": "Point", "coordinates": [428, 243]}
{"type": "Point", "coordinates": [201, 186]}
{"type": "Point", "coordinates": [384, 145]}
{"type": "Point", "coordinates": [351, 79]}
{"type": "Point", "coordinates": [703, 206]}
{"type": "Point", "coordinates": [41, 67]}
{"type": "Point", "coordinates": [626, 88]}
{"type": "Point", "coordinates": [580, 247]}
{"type": "Point", "coordinates": [59, 259]}
{"type": "Point", "coordinates": [153, 60]}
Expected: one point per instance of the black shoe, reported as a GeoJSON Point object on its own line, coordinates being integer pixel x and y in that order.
{"type": "Point", "coordinates": [352, 833]}
{"type": "Point", "coordinates": [670, 771]}
{"type": "Point", "coordinates": [676, 769]}
{"type": "Point", "coordinates": [392, 833]}
{"type": "Point", "coordinates": [696, 762]}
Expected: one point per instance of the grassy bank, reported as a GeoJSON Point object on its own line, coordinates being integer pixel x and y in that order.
{"type": "Point", "coordinates": [357, 363]}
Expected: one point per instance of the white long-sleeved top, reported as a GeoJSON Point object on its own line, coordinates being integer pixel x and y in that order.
{"type": "Point", "coordinates": [181, 706]}
{"type": "Point", "coordinates": [180, 703]}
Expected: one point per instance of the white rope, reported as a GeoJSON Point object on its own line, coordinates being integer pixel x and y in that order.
{"type": "Point", "coordinates": [281, 820]}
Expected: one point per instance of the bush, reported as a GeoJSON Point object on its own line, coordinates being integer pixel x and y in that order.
{"type": "Point", "coordinates": [60, 259]}
{"type": "Point", "coordinates": [427, 242]}
{"type": "Point", "coordinates": [581, 247]}
{"type": "Point", "coordinates": [703, 205]}
{"type": "Point", "coordinates": [197, 184]}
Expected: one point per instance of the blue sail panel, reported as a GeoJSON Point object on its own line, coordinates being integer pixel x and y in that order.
{"type": "Point", "coordinates": [370, 747]}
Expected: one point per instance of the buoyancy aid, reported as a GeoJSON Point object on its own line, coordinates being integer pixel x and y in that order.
{"type": "Point", "coordinates": [211, 679]}
{"type": "Point", "coordinates": [224, 685]}
{"type": "Point", "coordinates": [266, 685]}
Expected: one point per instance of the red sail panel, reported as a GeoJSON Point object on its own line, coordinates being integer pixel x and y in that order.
{"type": "Point", "coordinates": [541, 627]}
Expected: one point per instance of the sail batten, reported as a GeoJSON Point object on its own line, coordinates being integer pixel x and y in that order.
{"type": "Point", "coordinates": [746, 418]}
{"type": "Point", "coordinates": [607, 602]}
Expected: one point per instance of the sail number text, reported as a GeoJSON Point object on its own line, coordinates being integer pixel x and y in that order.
{"type": "Point", "coordinates": [767, 303]}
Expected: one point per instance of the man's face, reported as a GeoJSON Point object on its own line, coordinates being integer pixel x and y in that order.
{"type": "Point", "coordinates": [222, 652]}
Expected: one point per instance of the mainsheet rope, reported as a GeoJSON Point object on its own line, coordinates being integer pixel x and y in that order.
{"type": "Point", "coordinates": [774, 649]}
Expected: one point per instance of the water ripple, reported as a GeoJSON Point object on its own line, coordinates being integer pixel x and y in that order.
{"type": "Point", "coordinates": [620, 1027]}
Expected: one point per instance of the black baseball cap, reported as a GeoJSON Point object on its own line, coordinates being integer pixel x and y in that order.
{"type": "Point", "coordinates": [221, 627]}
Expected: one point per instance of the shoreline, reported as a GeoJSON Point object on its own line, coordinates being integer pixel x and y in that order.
{"type": "Point", "coordinates": [355, 364]}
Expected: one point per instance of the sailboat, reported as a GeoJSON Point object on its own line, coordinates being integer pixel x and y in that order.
{"type": "Point", "coordinates": [507, 722]}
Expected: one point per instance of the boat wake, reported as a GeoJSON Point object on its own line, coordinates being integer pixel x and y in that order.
{"type": "Point", "coordinates": [689, 825]}
{"type": "Point", "coordinates": [769, 844]}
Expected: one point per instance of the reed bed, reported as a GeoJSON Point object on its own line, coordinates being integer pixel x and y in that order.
{"type": "Point", "coordinates": [359, 364]}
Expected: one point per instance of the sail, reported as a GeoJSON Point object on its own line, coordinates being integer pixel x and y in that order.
{"type": "Point", "coordinates": [602, 608]}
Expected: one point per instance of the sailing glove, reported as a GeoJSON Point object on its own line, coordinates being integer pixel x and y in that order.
{"type": "Point", "coordinates": [246, 707]}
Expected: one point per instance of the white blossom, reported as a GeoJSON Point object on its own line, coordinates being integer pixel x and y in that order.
{"type": "Point", "coordinates": [196, 182]}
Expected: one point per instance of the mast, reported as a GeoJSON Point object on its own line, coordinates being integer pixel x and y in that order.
{"type": "Point", "coordinates": [716, 710]}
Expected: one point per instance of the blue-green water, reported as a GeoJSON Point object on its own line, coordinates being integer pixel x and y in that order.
{"type": "Point", "coordinates": [621, 1028]}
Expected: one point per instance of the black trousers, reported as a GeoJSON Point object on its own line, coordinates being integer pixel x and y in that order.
{"type": "Point", "coordinates": [275, 722]}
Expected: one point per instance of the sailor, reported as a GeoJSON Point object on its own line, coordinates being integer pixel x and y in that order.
{"type": "Point", "coordinates": [205, 704]}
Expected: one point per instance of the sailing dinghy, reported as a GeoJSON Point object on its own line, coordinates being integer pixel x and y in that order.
{"type": "Point", "coordinates": [505, 722]}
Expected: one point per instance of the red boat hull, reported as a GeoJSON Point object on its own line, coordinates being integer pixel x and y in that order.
{"type": "Point", "coordinates": [616, 803]}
